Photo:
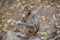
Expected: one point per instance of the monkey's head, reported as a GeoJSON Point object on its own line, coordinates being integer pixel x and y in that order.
{"type": "Point", "coordinates": [27, 10]}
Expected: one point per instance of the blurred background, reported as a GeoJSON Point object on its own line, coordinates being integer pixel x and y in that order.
{"type": "Point", "coordinates": [49, 11]}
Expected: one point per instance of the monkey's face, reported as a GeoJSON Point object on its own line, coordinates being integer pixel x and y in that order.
{"type": "Point", "coordinates": [26, 12]}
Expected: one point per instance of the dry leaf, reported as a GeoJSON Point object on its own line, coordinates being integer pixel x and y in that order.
{"type": "Point", "coordinates": [46, 7]}
{"type": "Point", "coordinates": [41, 33]}
{"type": "Point", "coordinates": [43, 18]}
{"type": "Point", "coordinates": [9, 20]}
{"type": "Point", "coordinates": [13, 23]}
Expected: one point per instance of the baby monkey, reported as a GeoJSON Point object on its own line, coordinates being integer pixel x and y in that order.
{"type": "Point", "coordinates": [29, 22]}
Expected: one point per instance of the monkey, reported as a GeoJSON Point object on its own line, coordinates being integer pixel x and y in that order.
{"type": "Point", "coordinates": [31, 26]}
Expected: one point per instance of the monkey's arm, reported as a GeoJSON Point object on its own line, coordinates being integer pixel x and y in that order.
{"type": "Point", "coordinates": [24, 24]}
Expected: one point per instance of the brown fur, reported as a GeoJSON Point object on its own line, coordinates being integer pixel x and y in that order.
{"type": "Point", "coordinates": [31, 31]}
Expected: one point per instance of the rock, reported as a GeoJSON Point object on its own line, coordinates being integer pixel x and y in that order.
{"type": "Point", "coordinates": [10, 36]}
{"type": "Point", "coordinates": [34, 38]}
